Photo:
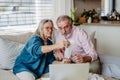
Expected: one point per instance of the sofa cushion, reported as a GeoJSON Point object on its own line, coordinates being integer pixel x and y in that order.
{"type": "Point", "coordinates": [9, 50]}
{"type": "Point", "coordinates": [7, 75]}
{"type": "Point", "coordinates": [110, 65]}
{"type": "Point", "coordinates": [17, 37]}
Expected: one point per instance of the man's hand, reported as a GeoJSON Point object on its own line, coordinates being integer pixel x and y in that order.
{"type": "Point", "coordinates": [76, 58]}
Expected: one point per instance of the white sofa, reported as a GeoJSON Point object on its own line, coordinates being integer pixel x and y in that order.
{"type": "Point", "coordinates": [14, 43]}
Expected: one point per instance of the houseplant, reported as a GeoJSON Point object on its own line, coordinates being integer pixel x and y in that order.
{"type": "Point", "coordinates": [73, 18]}
{"type": "Point", "coordinates": [86, 14]}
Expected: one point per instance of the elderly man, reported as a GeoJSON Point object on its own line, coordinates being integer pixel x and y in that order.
{"type": "Point", "coordinates": [82, 47]}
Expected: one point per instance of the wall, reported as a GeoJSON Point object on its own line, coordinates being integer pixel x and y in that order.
{"type": "Point", "coordinates": [87, 4]}
{"type": "Point", "coordinates": [90, 4]}
{"type": "Point", "coordinates": [108, 38]}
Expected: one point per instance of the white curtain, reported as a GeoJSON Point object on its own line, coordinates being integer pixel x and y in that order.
{"type": "Point", "coordinates": [63, 7]}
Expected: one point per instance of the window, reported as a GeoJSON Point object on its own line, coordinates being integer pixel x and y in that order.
{"type": "Point", "coordinates": [24, 12]}
{"type": "Point", "coordinates": [44, 9]}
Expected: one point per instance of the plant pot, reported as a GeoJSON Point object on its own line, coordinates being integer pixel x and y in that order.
{"type": "Point", "coordinates": [82, 20]}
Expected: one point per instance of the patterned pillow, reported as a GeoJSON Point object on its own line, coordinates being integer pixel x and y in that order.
{"type": "Point", "coordinates": [9, 50]}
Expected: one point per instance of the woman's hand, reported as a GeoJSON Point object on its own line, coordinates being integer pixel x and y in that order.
{"type": "Point", "coordinates": [63, 44]}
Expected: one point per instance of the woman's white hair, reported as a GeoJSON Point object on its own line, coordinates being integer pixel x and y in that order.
{"type": "Point", "coordinates": [39, 30]}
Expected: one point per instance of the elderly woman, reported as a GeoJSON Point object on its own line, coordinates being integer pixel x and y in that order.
{"type": "Point", "coordinates": [37, 54]}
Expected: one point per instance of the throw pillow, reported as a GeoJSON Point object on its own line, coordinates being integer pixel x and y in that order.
{"type": "Point", "coordinates": [110, 65]}
{"type": "Point", "coordinates": [9, 50]}
{"type": "Point", "coordinates": [17, 37]}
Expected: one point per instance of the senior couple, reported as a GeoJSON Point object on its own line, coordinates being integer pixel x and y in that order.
{"type": "Point", "coordinates": [39, 50]}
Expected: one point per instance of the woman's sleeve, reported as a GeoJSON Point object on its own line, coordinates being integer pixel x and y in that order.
{"type": "Point", "coordinates": [34, 47]}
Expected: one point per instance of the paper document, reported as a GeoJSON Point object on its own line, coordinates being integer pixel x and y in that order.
{"type": "Point", "coordinates": [68, 51]}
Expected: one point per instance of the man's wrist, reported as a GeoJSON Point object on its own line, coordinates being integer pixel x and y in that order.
{"type": "Point", "coordinates": [87, 59]}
